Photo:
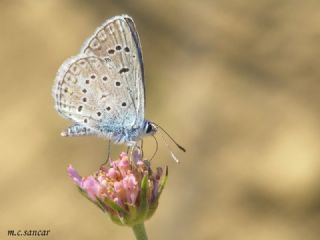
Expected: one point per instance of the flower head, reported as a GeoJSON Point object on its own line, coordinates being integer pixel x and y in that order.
{"type": "Point", "coordinates": [126, 189]}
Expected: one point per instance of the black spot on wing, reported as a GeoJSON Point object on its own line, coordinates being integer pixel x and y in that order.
{"type": "Point", "coordinates": [124, 70]}
{"type": "Point", "coordinates": [111, 51]}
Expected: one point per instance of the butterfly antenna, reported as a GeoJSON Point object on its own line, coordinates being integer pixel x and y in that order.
{"type": "Point", "coordinates": [177, 144]}
{"type": "Point", "coordinates": [170, 150]}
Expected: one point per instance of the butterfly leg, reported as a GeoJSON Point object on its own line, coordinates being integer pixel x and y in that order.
{"type": "Point", "coordinates": [108, 156]}
{"type": "Point", "coordinates": [141, 148]}
{"type": "Point", "coordinates": [109, 150]}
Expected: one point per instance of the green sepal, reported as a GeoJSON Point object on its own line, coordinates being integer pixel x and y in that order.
{"type": "Point", "coordinates": [115, 219]}
{"type": "Point", "coordinates": [117, 214]}
{"type": "Point", "coordinates": [115, 207]}
{"type": "Point", "coordinates": [155, 203]}
{"type": "Point", "coordinates": [132, 216]}
{"type": "Point", "coordinates": [153, 207]}
{"type": "Point", "coordinates": [120, 214]}
{"type": "Point", "coordinates": [163, 182]}
{"type": "Point", "coordinates": [144, 204]}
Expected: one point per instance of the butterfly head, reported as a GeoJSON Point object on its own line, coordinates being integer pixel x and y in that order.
{"type": "Point", "coordinates": [150, 128]}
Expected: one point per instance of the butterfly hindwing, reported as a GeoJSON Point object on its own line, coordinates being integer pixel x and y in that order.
{"type": "Point", "coordinates": [89, 92]}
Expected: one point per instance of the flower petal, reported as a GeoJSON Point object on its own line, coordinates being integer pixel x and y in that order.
{"type": "Point", "coordinates": [74, 175]}
{"type": "Point", "coordinates": [91, 186]}
{"type": "Point", "coordinates": [130, 184]}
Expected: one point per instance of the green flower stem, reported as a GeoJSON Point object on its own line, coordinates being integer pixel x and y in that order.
{"type": "Point", "coordinates": [140, 231]}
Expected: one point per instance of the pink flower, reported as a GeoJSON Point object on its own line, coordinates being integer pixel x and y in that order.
{"type": "Point", "coordinates": [127, 189]}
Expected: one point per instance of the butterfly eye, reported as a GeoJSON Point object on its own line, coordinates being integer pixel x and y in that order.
{"type": "Point", "coordinates": [149, 129]}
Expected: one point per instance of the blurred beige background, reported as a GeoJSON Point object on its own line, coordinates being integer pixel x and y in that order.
{"type": "Point", "coordinates": [235, 82]}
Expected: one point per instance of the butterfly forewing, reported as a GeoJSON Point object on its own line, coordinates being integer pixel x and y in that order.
{"type": "Point", "coordinates": [103, 86]}
{"type": "Point", "coordinates": [117, 43]}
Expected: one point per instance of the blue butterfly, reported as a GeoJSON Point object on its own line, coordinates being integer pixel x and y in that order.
{"type": "Point", "coordinates": [102, 88]}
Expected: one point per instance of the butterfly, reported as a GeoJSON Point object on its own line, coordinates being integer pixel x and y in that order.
{"type": "Point", "coordinates": [102, 88]}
